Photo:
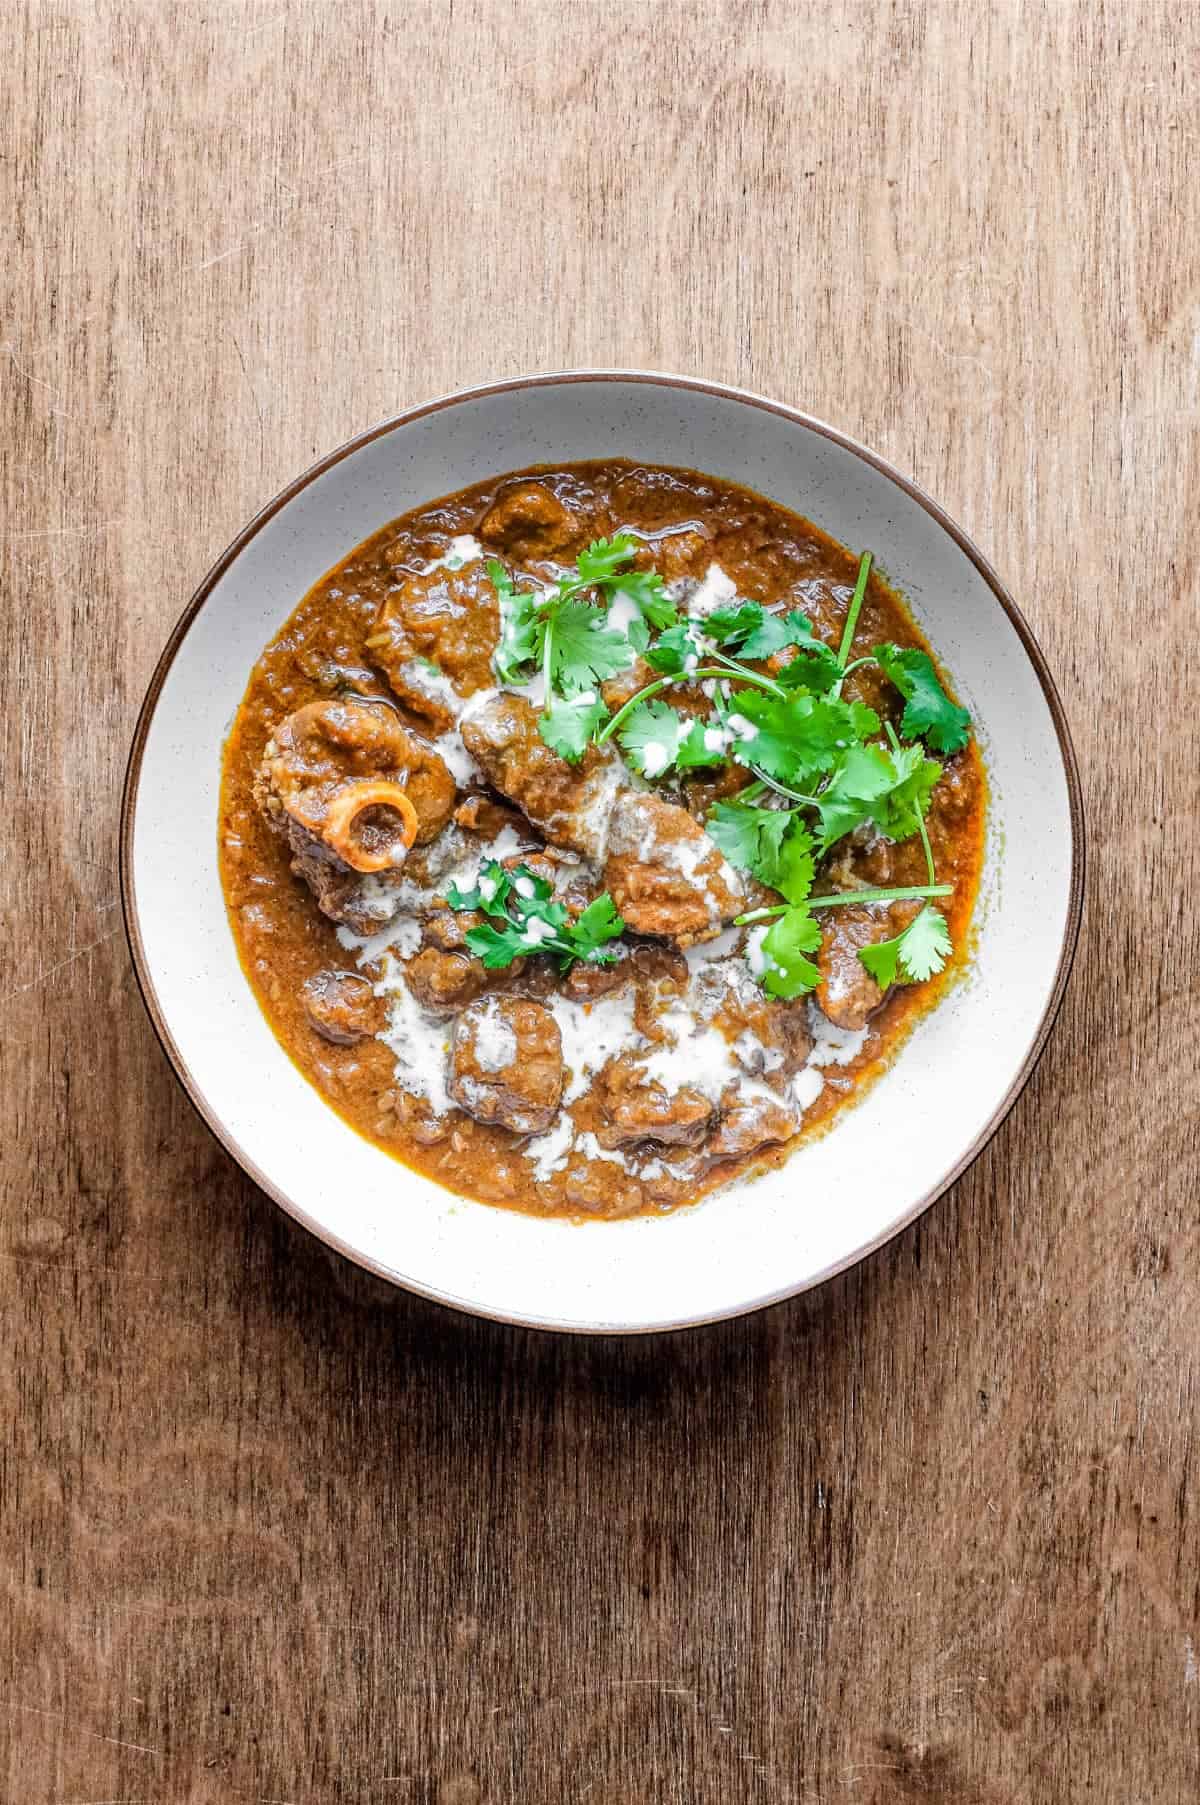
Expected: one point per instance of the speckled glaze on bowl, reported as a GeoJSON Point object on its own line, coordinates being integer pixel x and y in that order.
{"type": "Point", "coordinates": [759, 1240]}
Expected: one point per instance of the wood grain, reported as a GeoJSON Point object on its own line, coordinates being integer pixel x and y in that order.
{"type": "Point", "coordinates": [270, 1533]}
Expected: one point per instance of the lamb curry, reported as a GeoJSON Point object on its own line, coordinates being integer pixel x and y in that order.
{"type": "Point", "coordinates": [591, 836]}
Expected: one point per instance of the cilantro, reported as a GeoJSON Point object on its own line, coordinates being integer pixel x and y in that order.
{"type": "Point", "coordinates": [655, 737]}
{"type": "Point", "coordinates": [598, 924]}
{"type": "Point", "coordinates": [582, 650]}
{"type": "Point", "coordinates": [497, 947]}
{"type": "Point", "coordinates": [603, 558]}
{"type": "Point", "coordinates": [752, 631]}
{"type": "Point", "coordinates": [797, 736]}
{"type": "Point", "coordinates": [789, 972]}
{"type": "Point", "coordinates": [680, 649]}
{"type": "Point", "coordinates": [900, 811]}
{"type": "Point", "coordinates": [646, 589]}
{"type": "Point", "coordinates": [749, 837]}
{"type": "Point", "coordinates": [929, 713]}
{"type": "Point", "coordinates": [526, 919]}
{"type": "Point", "coordinates": [794, 865]}
{"type": "Point", "coordinates": [864, 775]}
{"type": "Point", "coordinates": [702, 744]}
{"type": "Point", "coordinates": [490, 893]}
{"type": "Point", "coordinates": [918, 953]}
{"type": "Point", "coordinates": [772, 844]}
{"type": "Point", "coordinates": [569, 636]}
{"type": "Point", "coordinates": [519, 625]}
{"type": "Point", "coordinates": [568, 725]}
{"type": "Point", "coordinates": [651, 736]}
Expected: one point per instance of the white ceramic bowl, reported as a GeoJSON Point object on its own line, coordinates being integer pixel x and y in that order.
{"type": "Point", "coordinates": [756, 1241]}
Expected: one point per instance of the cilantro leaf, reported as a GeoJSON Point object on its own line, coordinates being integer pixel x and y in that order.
{"type": "Point", "coordinates": [497, 947]}
{"type": "Point", "coordinates": [490, 893]}
{"type": "Point", "coordinates": [680, 649]}
{"type": "Point", "coordinates": [749, 837]}
{"type": "Point", "coordinates": [731, 626]}
{"type": "Point", "coordinates": [899, 811]}
{"type": "Point", "coordinates": [568, 725]}
{"type": "Point", "coordinates": [645, 588]}
{"type": "Point", "coordinates": [794, 864]}
{"type": "Point", "coordinates": [790, 938]}
{"type": "Point", "coordinates": [604, 558]}
{"type": "Point", "coordinates": [531, 895]}
{"type": "Point", "coordinates": [704, 743]}
{"type": "Point", "coordinates": [864, 774]}
{"type": "Point", "coordinates": [519, 625]}
{"type": "Point", "coordinates": [544, 927]}
{"type": "Point", "coordinates": [773, 845]}
{"type": "Point", "coordinates": [918, 953]}
{"type": "Point", "coordinates": [753, 631]}
{"type": "Point", "coordinates": [583, 651]}
{"type": "Point", "coordinates": [598, 924]}
{"type": "Point", "coordinates": [925, 945]}
{"type": "Point", "coordinates": [797, 736]}
{"type": "Point", "coordinates": [929, 713]}
{"type": "Point", "coordinates": [651, 737]}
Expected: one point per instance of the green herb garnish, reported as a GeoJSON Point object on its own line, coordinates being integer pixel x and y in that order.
{"type": "Point", "coordinates": [524, 919]}
{"type": "Point", "coordinates": [825, 765]}
{"type": "Point", "coordinates": [564, 631]}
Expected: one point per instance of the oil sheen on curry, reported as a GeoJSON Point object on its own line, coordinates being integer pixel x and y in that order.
{"type": "Point", "coordinates": [594, 834]}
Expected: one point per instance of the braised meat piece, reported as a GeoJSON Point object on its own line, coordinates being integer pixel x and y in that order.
{"type": "Point", "coordinates": [485, 816]}
{"type": "Point", "coordinates": [444, 976]}
{"type": "Point", "coordinates": [433, 638]}
{"type": "Point", "coordinates": [446, 982]}
{"type": "Point", "coordinates": [681, 551]}
{"type": "Point", "coordinates": [341, 1007]}
{"type": "Point", "coordinates": [770, 1039]}
{"type": "Point", "coordinates": [570, 804]}
{"type": "Point", "coordinates": [326, 749]}
{"type": "Point", "coordinates": [847, 993]}
{"type": "Point", "coordinates": [649, 967]}
{"type": "Point", "coordinates": [506, 1064]}
{"type": "Point", "coordinates": [636, 1108]}
{"type": "Point", "coordinates": [749, 1125]}
{"type": "Point", "coordinates": [665, 874]}
{"type": "Point", "coordinates": [529, 522]}
{"type": "Point", "coordinates": [364, 904]}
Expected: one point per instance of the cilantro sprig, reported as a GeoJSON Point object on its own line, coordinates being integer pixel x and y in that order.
{"type": "Point", "coordinates": [824, 764]}
{"type": "Point", "coordinates": [563, 630]}
{"type": "Point", "coordinates": [524, 918]}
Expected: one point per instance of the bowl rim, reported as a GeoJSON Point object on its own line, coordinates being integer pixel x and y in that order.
{"type": "Point", "coordinates": [543, 379]}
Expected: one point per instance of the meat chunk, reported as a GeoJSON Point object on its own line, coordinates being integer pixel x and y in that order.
{"type": "Point", "coordinates": [651, 968]}
{"type": "Point", "coordinates": [434, 637]}
{"type": "Point", "coordinates": [634, 1107]}
{"type": "Point", "coordinates": [528, 522]}
{"type": "Point", "coordinates": [770, 1039]}
{"type": "Point", "coordinates": [682, 550]}
{"type": "Point", "coordinates": [506, 1064]}
{"type": "Point", "coordinates": [318, 751]}
{"type": "Point", "coordinates": [749, 1125]}
{"type": "Point", "coordinates": [485, 816]}
{"type": "Point", "coordinates": [666, 876]}
{"type": "Point", "coordinates": [570, 804]}
{"type": "Point", "coordinates": [847, 993]}
{"type": "Point", "coordinates": [444, 982]}
{"type": "Point", "coordinates": [444, 975]}
{"type": "Point", "coordinates": [341, 1007]}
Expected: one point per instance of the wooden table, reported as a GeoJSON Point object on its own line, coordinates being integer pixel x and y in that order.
{"type": "Point", "coordinates": [272, 1533]}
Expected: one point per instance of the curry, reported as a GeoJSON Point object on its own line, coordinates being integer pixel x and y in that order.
{"type": "Point", "coordinates": [594, 835]}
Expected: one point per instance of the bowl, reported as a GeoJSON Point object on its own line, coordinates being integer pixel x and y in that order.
{"type": "Point", "coordinates": [758, 1240]}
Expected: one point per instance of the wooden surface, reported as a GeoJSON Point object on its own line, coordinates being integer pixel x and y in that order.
{"type": "Point", "coordinates": [271, 1533]}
